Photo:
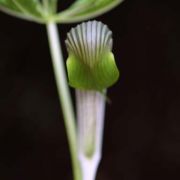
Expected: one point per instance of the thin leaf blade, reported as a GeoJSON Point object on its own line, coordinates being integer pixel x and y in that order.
{"type": "Point", "coordinates": [89, 9]}
{"type": "Point", "coordinates": [28, 10]}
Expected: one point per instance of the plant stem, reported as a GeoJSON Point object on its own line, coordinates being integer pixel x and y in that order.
{"type": "Point", "coordinates": [64, 95]}
{"type": "Point", "coordinates": [90, 117]}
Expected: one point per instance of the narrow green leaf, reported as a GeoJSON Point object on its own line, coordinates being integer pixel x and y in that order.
{"type": "Point", "coordinates": [91, 64]}
{"type": "Point", "coordinates": [84, 9]}
{"type": "Point", "coordinates": [31, 7]}
{"type": "Point", "coordinates": [50, 6]}
{"type": "Point", "coordinates": [53, 6]}
{"type": "Point", "coordinates": [29, 10]}
{"type": "Point", "coordinates": [9, 4]}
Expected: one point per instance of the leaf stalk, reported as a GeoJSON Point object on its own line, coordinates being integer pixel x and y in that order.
{"type": "Point", "coordinates": [64, 95]}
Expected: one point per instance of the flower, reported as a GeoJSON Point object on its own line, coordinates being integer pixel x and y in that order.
{"type": "Point", "coordinates": [91, 64]}
{"type": "Point", "coordinates": [91, 70]}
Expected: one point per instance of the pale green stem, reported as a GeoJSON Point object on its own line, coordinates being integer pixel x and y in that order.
{"type": "Point", "coordinates": [64, 95]}
{"type": "Point", "coordinates": [90, 115]}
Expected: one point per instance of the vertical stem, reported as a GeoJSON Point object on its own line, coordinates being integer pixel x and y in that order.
{"type": "Point", "coordinates": [64, 95]}
{"type": "Point", "coordinates": [90, 116]}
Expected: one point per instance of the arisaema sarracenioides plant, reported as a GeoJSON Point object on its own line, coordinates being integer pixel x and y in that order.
{"type": "Point", "coordinates": [91, 70]}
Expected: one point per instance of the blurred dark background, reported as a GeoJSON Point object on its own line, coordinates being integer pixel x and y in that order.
{"type": "Point", "coordinates": [142, 130]}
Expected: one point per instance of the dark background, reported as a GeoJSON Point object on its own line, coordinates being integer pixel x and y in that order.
{"type": "Point", "coordinates": [142, 130]}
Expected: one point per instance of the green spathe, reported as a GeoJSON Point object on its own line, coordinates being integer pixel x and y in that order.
{"type": "Point", "coordinates": [102, 75]}
{"type": "Point", "coordinates": [91, 64]}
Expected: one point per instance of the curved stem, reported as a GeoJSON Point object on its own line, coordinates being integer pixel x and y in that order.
{"type": "Point", "coordinates": [64, 95]}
